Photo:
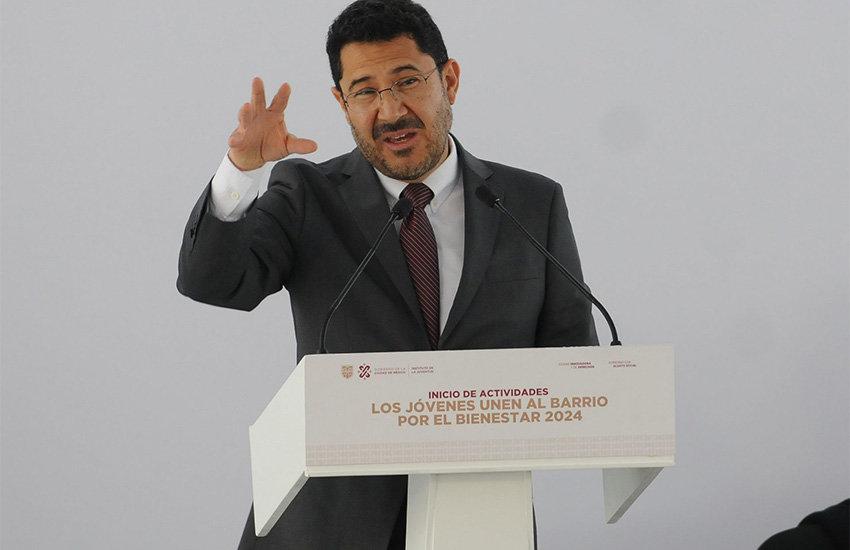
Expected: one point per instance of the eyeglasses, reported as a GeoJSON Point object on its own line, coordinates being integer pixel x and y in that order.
{"type": "Point", "coordinates": [410, 87]}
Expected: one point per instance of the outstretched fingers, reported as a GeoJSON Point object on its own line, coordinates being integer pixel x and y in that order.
{"type": "Point", "coordinates": [262, 135]}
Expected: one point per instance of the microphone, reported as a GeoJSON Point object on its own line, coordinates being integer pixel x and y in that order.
{"type": "Point", "coordinates": [486, 195]}
{"type": "Point", "coordinates": [400, 210]}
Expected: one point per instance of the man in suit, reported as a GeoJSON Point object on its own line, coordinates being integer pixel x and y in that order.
{"type": "Point", "coordinates": [396, 86]}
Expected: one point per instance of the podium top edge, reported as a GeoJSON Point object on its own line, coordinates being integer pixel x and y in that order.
{"type": "Point", "coordinates": [491, 350]}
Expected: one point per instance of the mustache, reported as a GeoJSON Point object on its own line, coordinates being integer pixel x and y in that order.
{"type": "Point", "coordinates": [407, 123]}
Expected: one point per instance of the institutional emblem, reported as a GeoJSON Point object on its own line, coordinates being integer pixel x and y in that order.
{"type": "Point", "coordinates": [347, 371]}
{"type": "Point", "coordinates": [365, 371]}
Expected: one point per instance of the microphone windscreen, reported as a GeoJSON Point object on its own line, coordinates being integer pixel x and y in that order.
{"type": "Point", "coordinates": [402, 207]}
{"type": "Point", "coordinates": [486, 195]}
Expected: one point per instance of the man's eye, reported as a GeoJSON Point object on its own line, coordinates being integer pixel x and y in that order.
{"type": "Point", "coordinates": [364, 94]}
{"type": "Point", "coordinates": [408, 82]}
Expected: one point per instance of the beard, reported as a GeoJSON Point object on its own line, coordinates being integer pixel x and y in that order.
{"type": "Point", "coordinates": [394, 164]}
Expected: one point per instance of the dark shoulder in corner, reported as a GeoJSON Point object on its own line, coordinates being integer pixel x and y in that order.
{"type": "Point", "coordinates": [511, 173]}
{"type": "Point", "coordinates": [506, 175]}
{"type": "Point", "coordinates": [330, 169]}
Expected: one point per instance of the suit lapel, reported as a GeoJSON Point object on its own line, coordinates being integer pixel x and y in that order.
{"type": "Point", "coordinates": [480, 227]}
{"type": "Point", "coordinates": [367, 203]}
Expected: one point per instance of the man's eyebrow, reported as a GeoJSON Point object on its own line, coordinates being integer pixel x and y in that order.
{"type": "Point", "coordinates": [405, 68]}
{"type": "Point", "coordinates": [397, 70]}
{"type": "Point", "coordinates": [357, 81]}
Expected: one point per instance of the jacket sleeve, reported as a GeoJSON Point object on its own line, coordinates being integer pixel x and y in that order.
{"type": "Point", "coordinates": [237, 264]}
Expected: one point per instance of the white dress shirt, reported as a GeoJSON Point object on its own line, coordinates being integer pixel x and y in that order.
{"type": "Point", "coordinates": [233, 191]}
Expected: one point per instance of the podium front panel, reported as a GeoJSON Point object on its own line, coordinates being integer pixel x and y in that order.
{"type": "Point", "coordinates": [479, 410]}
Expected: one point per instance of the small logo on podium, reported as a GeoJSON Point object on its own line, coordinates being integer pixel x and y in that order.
{"type": "Point", "coordinates": [347, 371]}
{"type": "Point", "coordinates": [365, 371]}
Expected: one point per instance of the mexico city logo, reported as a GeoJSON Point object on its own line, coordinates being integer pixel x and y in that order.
{"type": "Point", "coordinates": [347, 371]}
{"type": "Point", "coordinates": [365, 371]}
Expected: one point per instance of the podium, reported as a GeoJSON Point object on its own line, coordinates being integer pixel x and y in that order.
{"type": "Point", "coordinates": [468, 427]}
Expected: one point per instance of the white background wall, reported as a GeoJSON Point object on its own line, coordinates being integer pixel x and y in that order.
{"type": "Point", "coordinates": [703, 147]}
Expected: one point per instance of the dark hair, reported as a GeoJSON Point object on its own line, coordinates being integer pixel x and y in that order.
{"type": "Point", "coordinates": [383, 20]}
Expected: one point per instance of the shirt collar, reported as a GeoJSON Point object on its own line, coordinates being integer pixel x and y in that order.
{"type": "Point", "coordinates": [441, 181]}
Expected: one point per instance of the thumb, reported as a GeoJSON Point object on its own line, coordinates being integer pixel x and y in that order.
{"type": "Point", "coordinates": [300, 146]}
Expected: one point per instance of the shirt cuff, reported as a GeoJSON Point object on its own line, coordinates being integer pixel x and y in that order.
{"type": "Point", "coordinates": [233, 191]}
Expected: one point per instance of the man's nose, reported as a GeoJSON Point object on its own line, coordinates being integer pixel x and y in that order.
{"type": "Point", "coordinates": [390, 106]}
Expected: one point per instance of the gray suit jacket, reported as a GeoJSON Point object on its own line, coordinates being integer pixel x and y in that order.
{"type": "Point", "coordinates": [309, 231]}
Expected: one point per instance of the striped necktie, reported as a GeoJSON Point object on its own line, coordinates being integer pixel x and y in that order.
{"type": "Point", "coordinates": [420, 250]}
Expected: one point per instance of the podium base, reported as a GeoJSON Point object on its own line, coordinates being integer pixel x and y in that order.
{"type": "Point", "coordinates": [463, 511]}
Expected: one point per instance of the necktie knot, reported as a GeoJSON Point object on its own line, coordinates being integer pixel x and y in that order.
{"type": "Point", "coordinates": [418, 193]}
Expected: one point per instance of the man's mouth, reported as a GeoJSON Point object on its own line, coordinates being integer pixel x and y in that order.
{"type": "Point", "coordinates": [397, 129]}
{"type": "Point", "coordinates": [400, 138]}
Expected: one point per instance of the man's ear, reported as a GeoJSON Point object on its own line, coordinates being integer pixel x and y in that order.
{"type": "Point", "coordinates": [338, 96]}
{"type": "Point", "coordinates": [451, 79]}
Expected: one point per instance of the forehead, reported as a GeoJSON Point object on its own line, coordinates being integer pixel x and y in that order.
{"type": "Point", "coordinates": [362, 61]}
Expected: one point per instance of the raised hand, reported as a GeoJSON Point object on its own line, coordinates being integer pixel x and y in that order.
{"type": "Point", "coordinates": [262, 136]}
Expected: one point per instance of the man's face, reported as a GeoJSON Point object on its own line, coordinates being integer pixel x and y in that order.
{"type": "Point", "coordinates": [406, 139]}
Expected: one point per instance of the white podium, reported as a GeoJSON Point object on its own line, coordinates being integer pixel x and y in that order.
{"type": "Point", "coordinates": [468, 427]}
